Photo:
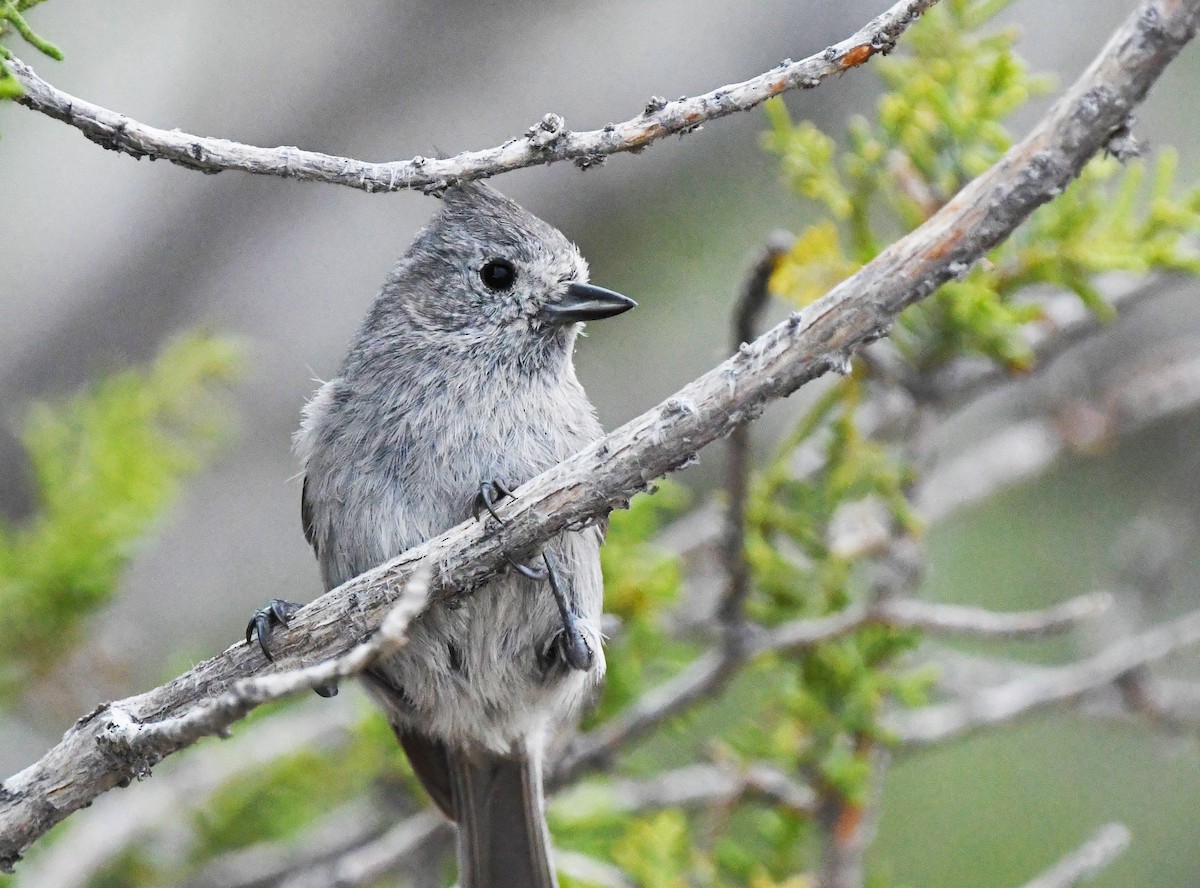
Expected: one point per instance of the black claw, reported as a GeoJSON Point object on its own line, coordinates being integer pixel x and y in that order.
{"type": "Point", "coordinates": [264, 621]}
{"type": "Point", "coordinates": [263, 624]}
{"type": "Point", "coordinates": [490, 493]}
{"type": "Point", "coordinates": [574, 649]}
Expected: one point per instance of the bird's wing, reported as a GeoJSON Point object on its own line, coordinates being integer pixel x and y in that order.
{"type": "Point", "coordinates": [306, 518]}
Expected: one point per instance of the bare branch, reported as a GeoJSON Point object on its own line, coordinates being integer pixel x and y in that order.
{"type": "Point", "coordinates": [707, 784]}
{"type": "Point", "coordinates": [368, 863]}
{"type": "Point", "coordinates": [957, 619]}
{"type": "Point", "coordinates": [705, 675]}
{"type": "Point", "coordinates": [604, 475]}
{"type": "Point", "coordinates": [1026, 448]}
{"type": "Point", "coordinates": [546, 142]}
{"type": "Point", "coordinates": [1090, 858]}
{"type": "Point", "coordinates": [698, 681]}
{"type": "Point", "coordinates": [1047, 687]}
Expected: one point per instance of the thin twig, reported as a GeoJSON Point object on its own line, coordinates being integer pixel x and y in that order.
{"type": "Point", "coordinates": [750, 305]}
{"type": "Point", "coordinates": [545, 142]}
{"type": "Point", "coordinates": [807, 345]}
{"type": "Point", "coordinates": [1090, 858]}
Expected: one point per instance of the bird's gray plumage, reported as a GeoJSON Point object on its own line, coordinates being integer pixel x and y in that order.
{"type": "Point", "coordinates": [447, 384]}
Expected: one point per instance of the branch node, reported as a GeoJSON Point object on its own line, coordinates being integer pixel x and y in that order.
{"type": "Point", "coordinates": [1123, 144]}
{"type": "Point", "coordinates": [677, 407]}
{"type": "Point", "coordinates": [656, 104]}
{"type": "Point", "coordinates": [118, 741]}
{"type": "Point", "coordinates": [546, 131]}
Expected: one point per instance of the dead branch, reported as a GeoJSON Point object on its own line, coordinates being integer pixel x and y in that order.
{"type": "Point", "coordinates": [545, 142]}
{"type": "Point", "coordinates": [1042, 688]}
{"type": "Point", "coordinates": [750, 304]}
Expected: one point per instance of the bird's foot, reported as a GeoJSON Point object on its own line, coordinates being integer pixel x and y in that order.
{"type": "Point", "coordinates": [570, 642]}
{"type": "Point", "coordinates": [569, 645]}
{"type": "Point", "coordinates": [491, 492]}
{"type": "Point", "coordinates": [264, 621]}
{"type": "Point", "coordinates": [263, 625]}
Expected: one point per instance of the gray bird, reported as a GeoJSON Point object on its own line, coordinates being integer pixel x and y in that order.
{"type": "Point", "coordinates": [458, 385]}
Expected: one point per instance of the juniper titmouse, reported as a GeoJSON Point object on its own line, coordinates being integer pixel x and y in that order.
{"type": "Point", "coordinates": [459, 383]}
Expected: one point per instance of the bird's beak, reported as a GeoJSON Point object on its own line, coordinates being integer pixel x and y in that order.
{"type": "Point", "coordinates": [585, 302]}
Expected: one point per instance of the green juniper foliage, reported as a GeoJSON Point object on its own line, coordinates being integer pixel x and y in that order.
{"type": "Point", "coordinates": [106, 464]}
{"type": "Point", "coordinates": [12, 20]}
{"type": "Point", "coordinates": [938, 125]}
{"type": "Point", "coordinates": [641, 584]}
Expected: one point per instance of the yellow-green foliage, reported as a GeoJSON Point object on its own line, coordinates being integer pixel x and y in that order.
{"type": "Point", "coordinates": [641, 582]}
{"type": "Point", "coordinates": [939, 124]}
{"type": "Point", "coordinates": [12, 19]}
{"type": "Point", "coordinates": [826, 701]}
{"type": "Point", "coordinates": [106, 463]}
{"type": "Point", "coordinates": [657, 851]}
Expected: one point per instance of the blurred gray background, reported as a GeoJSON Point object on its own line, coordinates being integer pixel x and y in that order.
{"type": "Point", "coordinates": [104, 257]}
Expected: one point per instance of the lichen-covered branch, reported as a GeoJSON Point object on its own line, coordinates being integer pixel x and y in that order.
{"type": "Point", "coordinates": [603, 476]}
{"type": "Point", "coordinates": [545, 142]}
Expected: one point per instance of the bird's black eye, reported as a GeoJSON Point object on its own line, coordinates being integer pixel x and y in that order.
{"type": "Point", "coordinates": [498, 274]}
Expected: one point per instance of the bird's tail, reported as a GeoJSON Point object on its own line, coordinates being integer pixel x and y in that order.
{"type": "Point", "coordinates": [498, 806]}
{"type": "Point", "coordinates": [502, 838]}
